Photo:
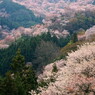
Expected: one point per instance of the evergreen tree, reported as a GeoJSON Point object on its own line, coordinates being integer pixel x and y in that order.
{"type": "Point", "coordinates": [24, 76]}
{"type": "Point", "coordinates": [9, 85]}
{"type": "Point", "coordinates": [74, 38]}
{"type": "Point", "coordinates": [2, 86]}
{"type": "Point", "coordinates": [18, 62]}
{"type": "Point", "coordinates": [29, 79]}
{"type": "Point", "coordinates": [19, 84]}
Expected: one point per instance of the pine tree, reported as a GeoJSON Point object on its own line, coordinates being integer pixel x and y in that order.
{"type": "Point", "coordinates": [2, 86]}
{"type": "Point", "coordinates": [9, 85]}
{"type": "Point", "coordinates": [74, 38]}
{"type": "Point", "coordinates": [18, 62]}
{"type": "Point", "coordinates": [29, 78]}
{"type": "Point", "coordinates": [21, 90]}
{"type": "Point", "coordinates": [20, 80]}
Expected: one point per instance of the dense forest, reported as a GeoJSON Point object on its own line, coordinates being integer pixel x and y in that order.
{"type": "Point", "coordinates": [58, 62]}
{"type": "Point", "coordinates": [81, 20]}
{"type": "Point", "coordinates": [18, 15]}
{"type": "Point", "coordinates": [35, 49]}
{"type": "Point", "coordinates": [19, 78]}
{"type": "Point", "coordinates": [26, 58]}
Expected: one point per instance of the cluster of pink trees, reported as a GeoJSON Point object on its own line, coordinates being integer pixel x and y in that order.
{"type": "Point", "coordinates": [77, 77]}
{"type": "Point", "coordinates": [50, 8]}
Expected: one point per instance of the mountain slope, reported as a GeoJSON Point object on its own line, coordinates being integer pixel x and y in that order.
{"type": "Point", "coordinates": [14, 15]}
{"type": "Point", "coordinates": [75, 76]}
{"type": "Point", "coordinates": [55, 7]}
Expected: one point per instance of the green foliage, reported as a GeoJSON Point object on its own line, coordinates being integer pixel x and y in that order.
{"type": "Point", "coordinates": [18, 62]}
{"type": "Point", "coordinates": [43, 83]}
{"type": "Point", "coordinates": [19, 15]}
{"type": "Point", "coordinates": [55, 69]}
{"type": "Point", "coordinates": [81, 20]}
{"type": "Point", "coordinates": [68, 48]}
{"type": "Point", "coordinates": [38, 50]}
{"type": "Point", "coordinates": [52, 78]}
{"type": "Point", "coordinates": [2, 86]}
{"type": "Point", "coordinates": [74, 38]}
{"type": "Point", "coordinates": [19, 81]}
{"type": "Point", "coordinates": [29, 78]}
{"type": "Point", "coordinates": [28, 45]}
{"type": "Point", "coordinates": [9, 85]}
{"type": "Point", "coordinates": [20, 86]}
{"type": "Point", "coordinates": [61, 42]}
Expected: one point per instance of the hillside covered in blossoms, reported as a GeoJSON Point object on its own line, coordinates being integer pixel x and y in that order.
{"type": "Point", "coordinates": [75, 75]}
{"type": "Point", "coordinates": [55, 7]}
{"type": "Point", "coordinates": [47, 47]}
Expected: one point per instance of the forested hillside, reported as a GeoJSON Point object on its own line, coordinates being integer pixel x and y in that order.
{"type": "Point", "coordinates": [24, 62]}
{"type": "Point", "coordinates": [53, 55]}
{"type": "Point", "coordinates": [44, 46]}
{"type": "Point", "coordinates": [16, 15]}
{"type": "Point", "coordinates": [81, 20]}
{"type": "Point", "coordinates": [55, 7]}
{"type": "Point", "coordinates": [73, 76]}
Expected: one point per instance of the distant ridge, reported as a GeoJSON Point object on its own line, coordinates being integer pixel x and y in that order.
{"type": "Point", "coordinates": [14, 15]}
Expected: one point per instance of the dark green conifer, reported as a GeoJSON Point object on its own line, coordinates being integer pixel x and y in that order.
{"type": "Point", "coordinates": [74, 38]}
{"type": "Point", "coordinates": [29, 78]}
{"type": "Point", "coordinates": [18, 62]}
